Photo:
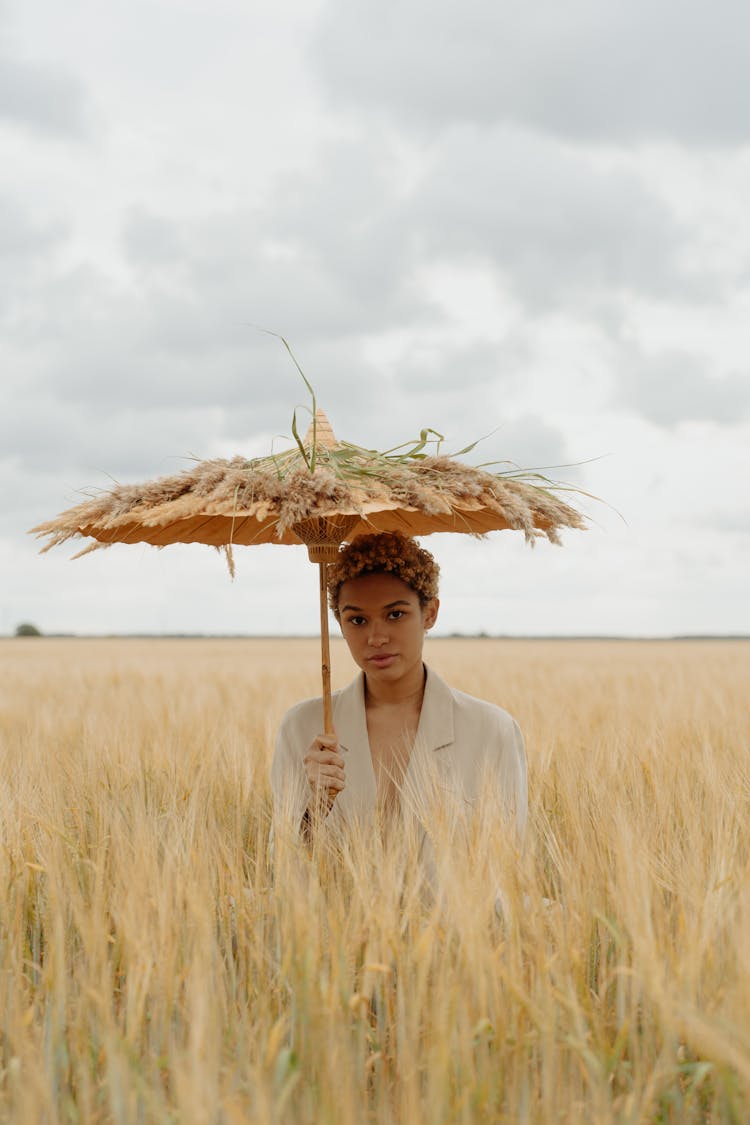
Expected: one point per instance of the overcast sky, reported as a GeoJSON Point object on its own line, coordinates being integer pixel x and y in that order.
{"type": "Point", "coordinates": [528, 221]}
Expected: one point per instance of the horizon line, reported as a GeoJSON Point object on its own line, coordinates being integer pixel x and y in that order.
{"type": "Point", "coordinates": [339, 640]}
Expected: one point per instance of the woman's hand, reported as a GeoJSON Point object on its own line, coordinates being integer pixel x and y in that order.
{"type": "Point", "coordinates": [324, 767]}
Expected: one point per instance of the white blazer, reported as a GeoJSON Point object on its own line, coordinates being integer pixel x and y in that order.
{"type": "Point", "coordinates": [464, 748]}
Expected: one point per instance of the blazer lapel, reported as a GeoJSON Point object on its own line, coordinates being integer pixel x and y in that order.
{"type": "Point", "coordinates": [435, 728]}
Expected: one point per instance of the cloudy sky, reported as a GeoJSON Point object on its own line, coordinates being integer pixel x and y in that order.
{"type": "Point", "coordinates": [526, 221]}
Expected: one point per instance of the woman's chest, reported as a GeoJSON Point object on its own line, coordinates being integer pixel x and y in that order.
{"type": "Point", "coordinates": [391, 742]}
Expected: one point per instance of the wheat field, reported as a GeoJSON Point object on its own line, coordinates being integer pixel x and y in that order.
{"type": "Point", "coordinates": [152, 970]}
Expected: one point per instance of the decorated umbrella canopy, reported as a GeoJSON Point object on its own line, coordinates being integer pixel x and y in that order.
{"type": "Point", "coordinates": [319, 493]}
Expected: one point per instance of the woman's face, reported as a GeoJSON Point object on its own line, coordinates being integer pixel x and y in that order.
{"type": "Point", "coordinates": [384, 623]}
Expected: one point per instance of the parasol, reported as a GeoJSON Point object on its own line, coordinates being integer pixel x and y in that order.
{"type": "Point", "coordinates": [319, 493]}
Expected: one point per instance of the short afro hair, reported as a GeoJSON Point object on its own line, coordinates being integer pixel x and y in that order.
{"type": "Point", "coordinates": [388, 552]}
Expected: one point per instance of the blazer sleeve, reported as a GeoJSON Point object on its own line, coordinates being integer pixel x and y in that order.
{"type": "Point", "coordinates": [289, 787]}
{"type": "Point", "coordinates": [504, 759]}
{"type": "Point", "coordinates": [518, 779]}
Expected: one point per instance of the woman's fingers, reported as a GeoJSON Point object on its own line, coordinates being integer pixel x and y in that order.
{"type": "Point", "coordinates": [325, 742]}
{"type": "Point", "coordinates": [330, 769]}
{"type": "Point", "coordinates": [324, 782]}
{"type": "Point", "coordinates": [326, 775]}
{"type": "Point", "coordinates": [324, 765]}
{"type": "Point", "coordinates": [328, 758]}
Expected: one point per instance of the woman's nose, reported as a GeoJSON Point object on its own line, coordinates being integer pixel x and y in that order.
{"type": "Point", "coordinates": [378, 635]}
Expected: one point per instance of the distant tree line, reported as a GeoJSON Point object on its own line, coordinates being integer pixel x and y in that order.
{"type": "Point", "coordinates": [26, 629]}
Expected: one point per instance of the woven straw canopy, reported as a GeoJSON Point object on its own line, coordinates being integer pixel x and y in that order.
{"type": "Point", "coordinates": [322, 492]}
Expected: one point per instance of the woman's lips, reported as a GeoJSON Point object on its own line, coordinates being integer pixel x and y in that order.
{"type": "Point", "coordinates": [383, 659]}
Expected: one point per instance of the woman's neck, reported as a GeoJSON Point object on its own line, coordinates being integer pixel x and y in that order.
{"type": "Point", "coordinates": [407, 692]}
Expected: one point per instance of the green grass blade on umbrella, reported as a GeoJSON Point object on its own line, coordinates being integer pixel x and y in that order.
{"type": "Point", "coordinates": [309, 461]}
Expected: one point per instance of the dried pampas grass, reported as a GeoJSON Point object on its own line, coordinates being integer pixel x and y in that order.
{"type": "Point", "coordinates": [236, 501]}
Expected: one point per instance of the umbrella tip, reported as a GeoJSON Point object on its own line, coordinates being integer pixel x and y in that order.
{"type": "Point", "coordinates": [321, 431]}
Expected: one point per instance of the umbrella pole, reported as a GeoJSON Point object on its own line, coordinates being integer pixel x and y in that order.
{"type": "Point", "coordinates": [325, 651]}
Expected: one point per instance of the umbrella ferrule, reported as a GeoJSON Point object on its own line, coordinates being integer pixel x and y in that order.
{"type": "Point", "coordinates": [322, 552]}
{"type": "Point", "coordinates": [322, 535]}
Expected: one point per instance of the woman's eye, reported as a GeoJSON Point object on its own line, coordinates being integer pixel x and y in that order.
{"type": "Point", "coordinates": [395, 614]}
{"type": "Point", "coordinates": [358, 620]}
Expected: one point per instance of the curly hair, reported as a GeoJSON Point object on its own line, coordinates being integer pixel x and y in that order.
{"type": "Point", "coordinates": [387, 552]}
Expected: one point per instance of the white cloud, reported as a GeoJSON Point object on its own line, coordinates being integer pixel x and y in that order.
{"type": "Point", "coordinates": [619, 70]}
{"type": "Point", "coordinates": [558, 228]}
{"type": "Point", "coordinates": [43, 98]}
{"type": "Point", "coordinates": [680, 386]}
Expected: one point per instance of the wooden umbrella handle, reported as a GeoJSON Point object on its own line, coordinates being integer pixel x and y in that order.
{"type": "Point", "coordinates": [325, 651]}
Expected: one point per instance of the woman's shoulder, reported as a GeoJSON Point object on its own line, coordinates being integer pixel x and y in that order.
{"type": "Point", "coordinates": [470, 710]}
{"type": "Point", "coordinates": [303, 712]}
{"type": "Point", "coordinates": [308, 711]}
{"type": "Point", "coordinates": [482, 709]}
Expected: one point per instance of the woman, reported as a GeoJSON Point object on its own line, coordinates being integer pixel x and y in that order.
{"type": "Point", "coordinates": [403, 736]}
